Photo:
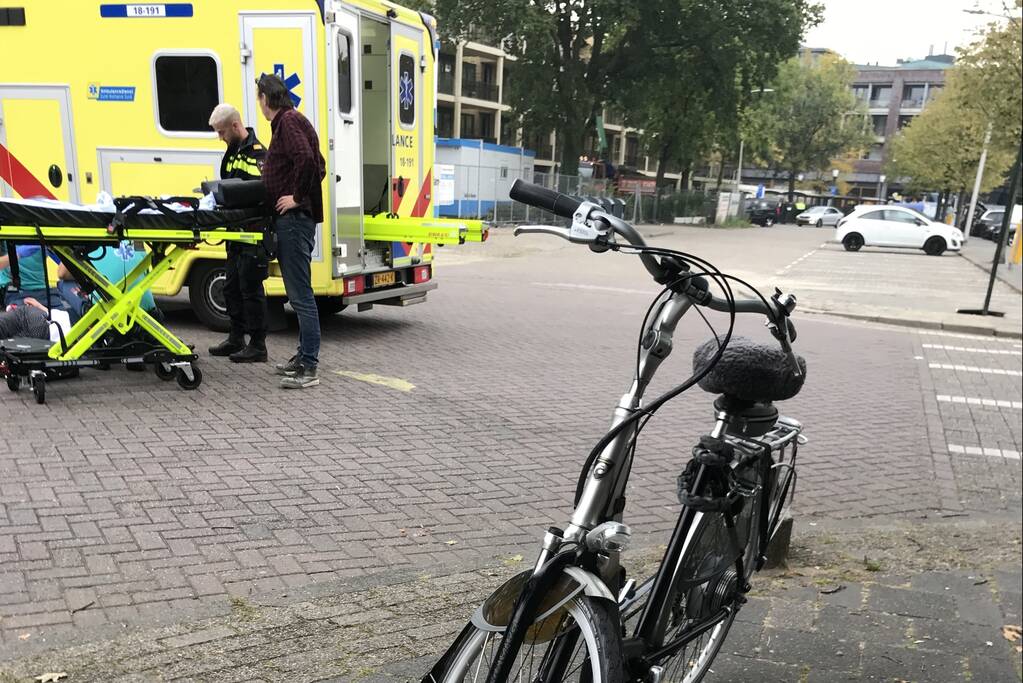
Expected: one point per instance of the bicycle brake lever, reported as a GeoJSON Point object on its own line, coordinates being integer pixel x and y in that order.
{"type": "Point", "coordinates": [580, 232]}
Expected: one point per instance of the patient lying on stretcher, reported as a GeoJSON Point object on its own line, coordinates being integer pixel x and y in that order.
{"type": "Point", "coordinates": [29, 318]}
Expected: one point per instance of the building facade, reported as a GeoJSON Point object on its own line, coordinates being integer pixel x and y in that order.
{"type": "Point", "coordinates": [893, 97]}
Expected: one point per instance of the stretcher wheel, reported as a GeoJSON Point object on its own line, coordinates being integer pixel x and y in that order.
{"type": "Point", "coordinates": [190, 384]}
{"type": "Point", "coordinates": [39, 388]}
{"type": "Point", "coordinates": [164, 371]}
{"type": "Point", "coordinates": [13, 382]}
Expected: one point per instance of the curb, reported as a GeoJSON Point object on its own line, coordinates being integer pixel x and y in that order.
{"type": "Point", "coordinates": [986, 268]}
{"type": "Point", "coordinates": [925, 324]}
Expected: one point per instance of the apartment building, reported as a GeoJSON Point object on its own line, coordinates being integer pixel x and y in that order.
{"type": "Point", "coordinates": [893, 96]}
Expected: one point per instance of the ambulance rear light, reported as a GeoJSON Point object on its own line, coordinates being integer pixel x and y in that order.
{"type": "Point", "coordinates": [421, 274]}
{"type": "Point", "coordinates": [355, 285]}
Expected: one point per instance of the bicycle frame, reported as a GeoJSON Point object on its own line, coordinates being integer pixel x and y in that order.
{"type": "Point", "coordinates": [602, 498]}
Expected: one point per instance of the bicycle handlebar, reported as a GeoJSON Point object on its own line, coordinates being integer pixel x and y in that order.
{"type": "Point", "coordinates": [583, 230]}
{"type": "Point", "coordinates": [545, 199]}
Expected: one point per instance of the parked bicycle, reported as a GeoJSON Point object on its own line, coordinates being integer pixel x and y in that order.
{"type": "Point", "coordinates": [578, 615]}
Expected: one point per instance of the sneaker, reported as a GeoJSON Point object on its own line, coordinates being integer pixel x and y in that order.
{"type": "Point", "coordinates": [305, 377]}
{"type": "Point", "coordinates": [226, 347]}
{"type": "Point", "coordinates": [250, 354]}
{"type": "Point", "coordinates": [289, 368]}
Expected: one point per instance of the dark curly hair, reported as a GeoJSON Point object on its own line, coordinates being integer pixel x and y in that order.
{"type": "Point", "coordinates": [277, 95]}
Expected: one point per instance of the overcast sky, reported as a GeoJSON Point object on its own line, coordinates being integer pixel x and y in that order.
{"type": "Point", "coordinates": [868, 31]}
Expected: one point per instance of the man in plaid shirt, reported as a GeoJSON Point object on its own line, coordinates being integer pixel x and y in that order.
{"type": "Point", "coordinates": [292, 173]}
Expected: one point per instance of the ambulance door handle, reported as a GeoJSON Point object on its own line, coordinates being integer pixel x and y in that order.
{"type": "Point", "coordinates": [347, 122]}
{"type": "Point", "coordinates": [337, 178]}
{"type": "Point", "coordinates": [55, 175]}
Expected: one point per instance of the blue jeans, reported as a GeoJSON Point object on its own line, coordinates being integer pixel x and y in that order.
{"type": "Point", "coordinates": [295, 240]}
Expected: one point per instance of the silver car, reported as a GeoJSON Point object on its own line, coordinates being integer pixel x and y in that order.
{"type": "Point", "coordinates": [819, 216]}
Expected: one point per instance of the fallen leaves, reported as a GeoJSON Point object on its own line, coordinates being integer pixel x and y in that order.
{"type": "Point", "coordinates": [1013, 634]}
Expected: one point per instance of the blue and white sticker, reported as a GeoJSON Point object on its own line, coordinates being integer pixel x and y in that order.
{"type": "Point", "coordinates": [110, 93]}
{"type": "Point", "coordinates": [146, 11]}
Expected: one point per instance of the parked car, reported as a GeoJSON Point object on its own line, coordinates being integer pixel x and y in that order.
{"type": "Point", "coordinates": [819, 216]}
{"type": "Point", "coordinates": [895, 226]}
{"type": "Point", "coordinates": [977, 229]}
{"type": "Point", "coordinates": [990, 224]}
{"type": "Point", "coordinates": [764, 212]}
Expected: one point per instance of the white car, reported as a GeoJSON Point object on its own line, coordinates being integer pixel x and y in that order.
{"type": "Point", "coordinates": [819, 216]}
{"type": "Point", "coordinates": [896, 226]}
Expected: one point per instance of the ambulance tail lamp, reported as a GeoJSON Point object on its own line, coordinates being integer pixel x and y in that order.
{"type": "Point", "coordinates": [355, 285]}
{"type": "Point", "coordinates": [421, 274]}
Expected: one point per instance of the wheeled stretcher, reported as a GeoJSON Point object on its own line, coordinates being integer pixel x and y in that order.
{"type": "Point", "coordinates": [167, 227]}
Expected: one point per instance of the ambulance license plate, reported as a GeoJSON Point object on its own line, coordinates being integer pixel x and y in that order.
{"type": "Point", "coordinates": [383, 279]}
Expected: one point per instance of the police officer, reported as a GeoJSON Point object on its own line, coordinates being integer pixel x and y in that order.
{"type": "Point", "coordinates": [246, 263]}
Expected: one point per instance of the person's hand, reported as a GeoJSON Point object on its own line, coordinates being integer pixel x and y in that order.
{"type": "Point", "coordinates": [29, 301]}
{"type": "Point", "coordinates": [286, 203]}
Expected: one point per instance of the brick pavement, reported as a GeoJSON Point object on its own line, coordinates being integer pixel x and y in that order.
{"type": "Point", "coordinates": [125, 501]}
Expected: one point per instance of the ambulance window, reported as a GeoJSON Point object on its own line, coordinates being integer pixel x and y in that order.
{"type": "Point", "coordinates": [406, 89]}
{"type": "Point", "coordinates": [187, 90]}
{"type": "Point", "coordinates": [344, 73]}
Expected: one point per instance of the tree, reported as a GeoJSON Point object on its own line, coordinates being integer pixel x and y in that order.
{"type": "Point", "coordinates": [940, 149]}
{"type": "Point", "coordinates": [990, 78]}
{"type": "Point", "coordinates": [810, 118]}
{"type": "Point", "coordinates": [689, 77]}
{"type": "Point", "coordinates": [566, 52]}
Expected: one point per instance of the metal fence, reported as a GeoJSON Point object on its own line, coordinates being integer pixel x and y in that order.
{"type": "Point", "coordinates": [482, 192]}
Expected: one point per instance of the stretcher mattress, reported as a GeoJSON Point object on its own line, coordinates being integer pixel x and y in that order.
{"type": "Point", "coordinates": [43, 213]}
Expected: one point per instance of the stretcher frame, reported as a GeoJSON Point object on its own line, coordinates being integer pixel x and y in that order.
{"type": "Point", "coordinates": [120, 304]}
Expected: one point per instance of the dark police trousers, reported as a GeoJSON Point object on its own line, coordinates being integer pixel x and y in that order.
{"type": "Point", "coordinates": [243, 293]}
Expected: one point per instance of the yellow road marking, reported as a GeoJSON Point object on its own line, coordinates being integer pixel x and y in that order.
{"type": "Point", "coordinates": [389, 382]}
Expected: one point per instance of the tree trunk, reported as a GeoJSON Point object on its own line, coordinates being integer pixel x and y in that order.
{"type": "Point", "coordinates": [687, 173]}
{"type": "Point", "coordinates": [662, 164]}
{"type": "Point", "coordinates": [961, 208]}
{"type": "Point", "coordinates": [571, 138]}
{"type": "Point", "coordinates": [721, 173]}
{"type": "Point", "coordinates": [792, 185]}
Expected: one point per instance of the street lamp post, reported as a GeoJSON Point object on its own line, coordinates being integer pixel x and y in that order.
{"type": "Point", "coordinates": [881, 188]}
{"type": "Point", "coordinates": [834, 186]}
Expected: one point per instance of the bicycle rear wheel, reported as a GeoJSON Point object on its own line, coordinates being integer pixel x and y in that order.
{"type": "Point", "coordinates": [705, 582]}
{"type": "Point", "coordinates": [579, 644]}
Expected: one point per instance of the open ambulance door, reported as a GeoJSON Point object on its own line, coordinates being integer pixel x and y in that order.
{"type": "Point", "coordinates": [344, 88]}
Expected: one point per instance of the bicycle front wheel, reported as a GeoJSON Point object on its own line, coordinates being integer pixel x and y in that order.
{"type": "Point", "coordinates": [578, 644]}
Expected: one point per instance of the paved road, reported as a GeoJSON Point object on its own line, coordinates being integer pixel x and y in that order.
{"type": "Point", "coordinates": [446, 435]}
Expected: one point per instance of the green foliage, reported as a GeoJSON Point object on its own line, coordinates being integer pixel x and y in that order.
{"type": "Point", "coordinates": [810, 118]}
{"type": "Point", "coordinates": [685, 83]}
{"type": "Point", "coordinates": [942, 147]}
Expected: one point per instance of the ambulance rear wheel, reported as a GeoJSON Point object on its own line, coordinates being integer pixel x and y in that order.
{"type": "Point", "coordinates": [188, 384]}
{"type": "Point", "coordinates": [206, 294]}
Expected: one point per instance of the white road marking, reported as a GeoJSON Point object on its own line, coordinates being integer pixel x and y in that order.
{"type": "Point", "coordinates": [986, 402]}
{"type": "Point", "coordinates": [971, 368]}
{"type": "Point", "coordinates": [804, 256]}
{"type": "Point", "coordinates": [975, 450]}
{"type": "Point", "coordinates": [1004, 340]}
{"type": "Point", "coordinates": [968, 349]}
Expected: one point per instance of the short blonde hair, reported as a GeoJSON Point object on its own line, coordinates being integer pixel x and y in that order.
{"type": "Point", "coordinates": [224, 113]}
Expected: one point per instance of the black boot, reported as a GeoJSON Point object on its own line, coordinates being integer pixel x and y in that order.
{"type": "Point", "coordinates": [227, 347]}
{"type": "Point", "coordinates": [255, 352]}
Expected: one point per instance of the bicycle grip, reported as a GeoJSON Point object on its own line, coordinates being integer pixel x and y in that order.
{"type": "Point", "coordinates": [542, 198]}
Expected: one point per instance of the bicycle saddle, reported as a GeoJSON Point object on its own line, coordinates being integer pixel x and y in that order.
{"type": "Point", "coordinates": [749, 370]}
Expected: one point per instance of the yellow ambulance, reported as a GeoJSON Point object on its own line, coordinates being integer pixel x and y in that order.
{"type": "Point", "coordinates": [115, 97]}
